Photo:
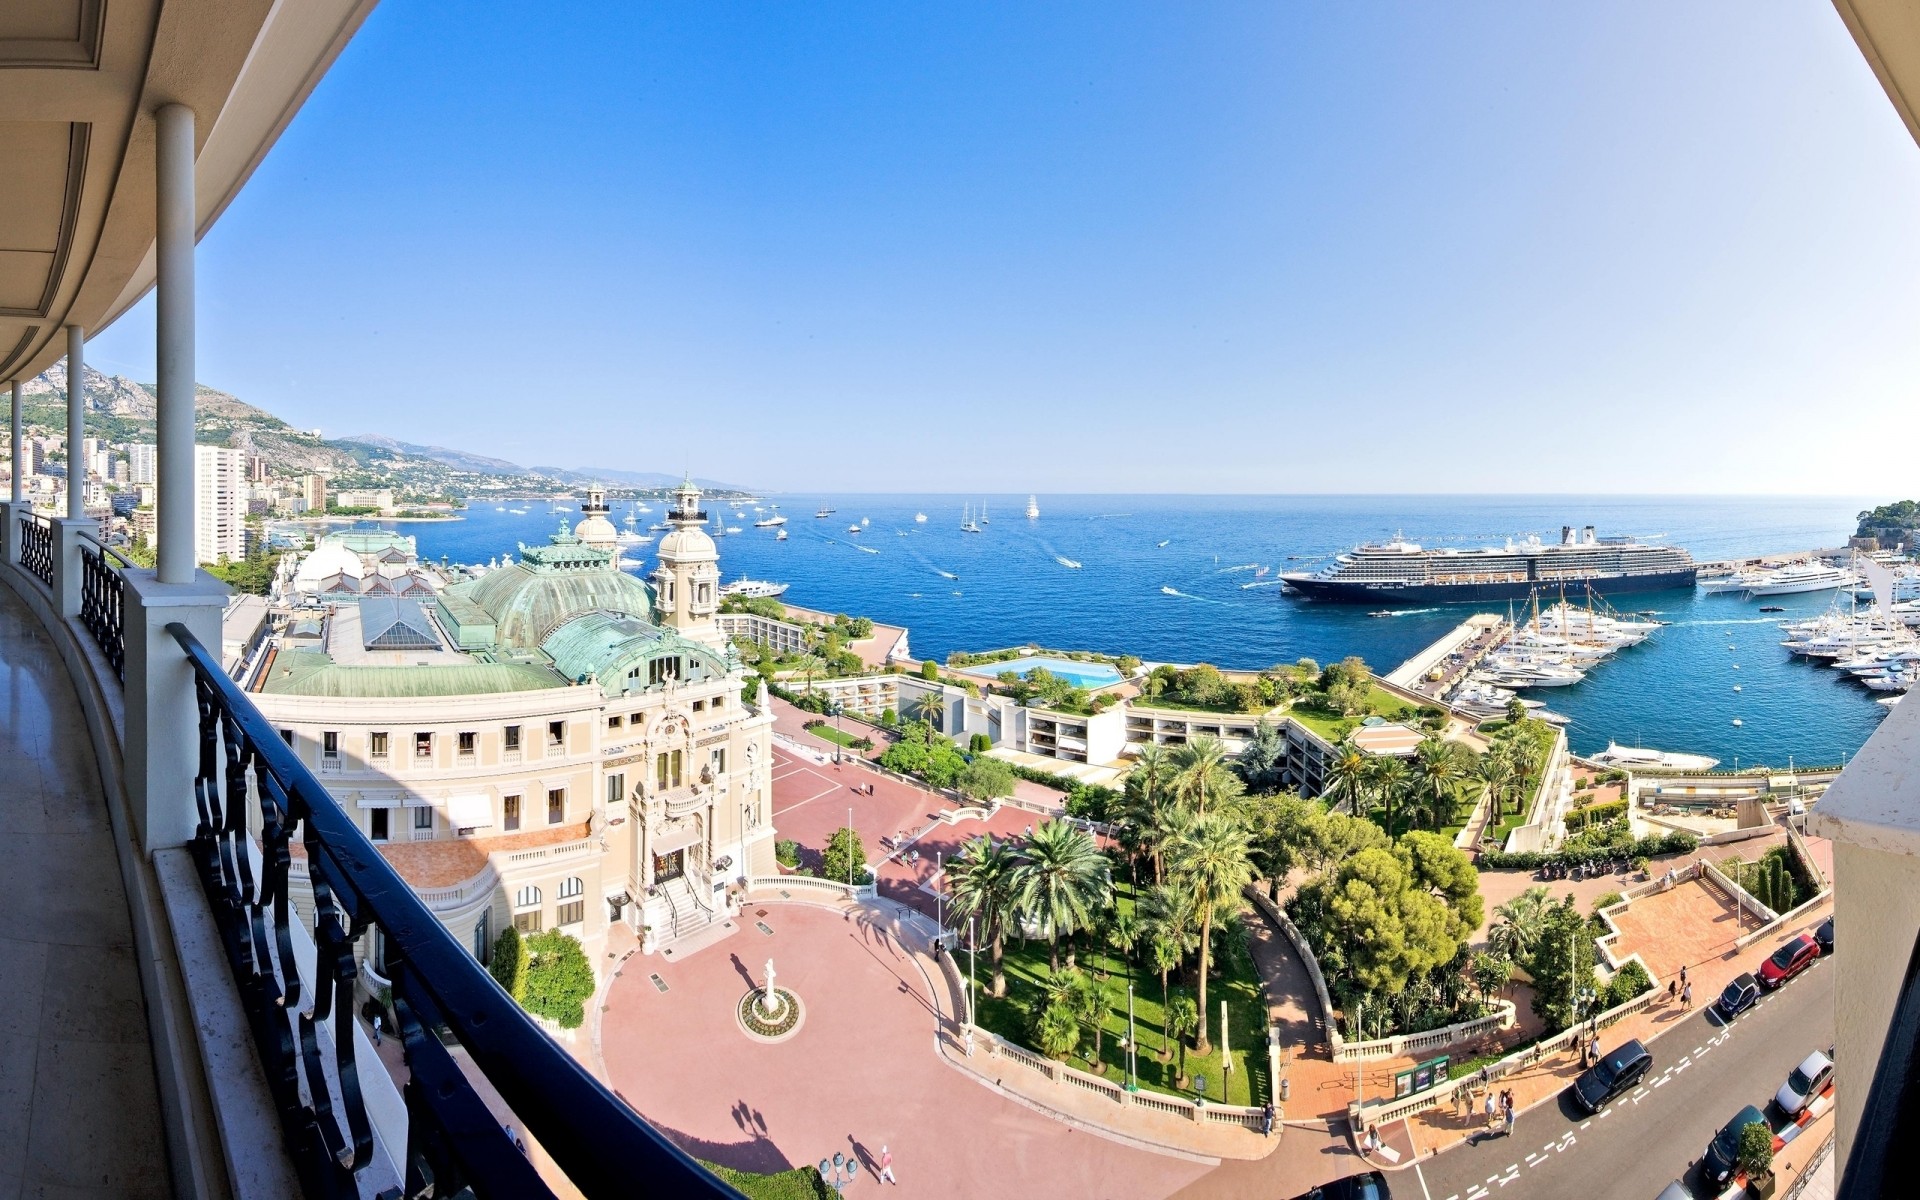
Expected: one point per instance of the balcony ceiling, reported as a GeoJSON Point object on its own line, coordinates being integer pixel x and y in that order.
{"type": "Point", "coordinates": [80, 81]}
{"type": "Point", "coordinates": [1888, 33]}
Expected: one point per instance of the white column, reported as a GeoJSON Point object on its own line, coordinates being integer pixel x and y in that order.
{"type": "Point", "coordinates": [173, 293]}
{"type": "Point", "coordinates": [76, 420]}
{"type": "Point", "coordinates": [19, 442]}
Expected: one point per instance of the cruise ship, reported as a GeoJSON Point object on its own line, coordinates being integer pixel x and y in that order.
{"type": "Point", "coordinates": [1578, 562]}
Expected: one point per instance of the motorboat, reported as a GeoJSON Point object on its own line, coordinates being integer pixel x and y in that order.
{"type": "Point", "coordinates": [825, 511]}
{"type": "Point", "coordinates": [853, 528]}
{"type": "Point", "coordinates": [753, 589]}
{"type": "Point", "coordinates": [919, 518]}
{"type": "Point", "coordinates": [781, 536]}
{"type": "Point", "coordinates": [1795, 578]}
{"type": "Point", "coordinates": [1616, 755]}
{"type": "Point", "coordinates": [770, 522]}
{"type": "Point", "coordinates": [1033, 508]}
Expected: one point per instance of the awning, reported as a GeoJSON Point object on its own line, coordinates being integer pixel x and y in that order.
{"type": "Point", "coordinates": [469, 812]}
{"type": "Point", "coordinates": [661, 844]}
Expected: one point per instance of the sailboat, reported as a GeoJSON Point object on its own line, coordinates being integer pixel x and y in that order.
{"type": "Point", "coordinates": [967, 523]}
{"type": "Point", "coordinates": [983, 513]}
{"type": "Point", "coordinates": [1033, 508]}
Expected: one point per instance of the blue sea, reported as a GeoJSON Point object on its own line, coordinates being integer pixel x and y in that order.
{"type": "Point", "coordinates": [1674, 691]}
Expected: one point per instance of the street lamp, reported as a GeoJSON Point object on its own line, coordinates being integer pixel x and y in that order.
{"type": "Point", "coordinates": [831, 1170]}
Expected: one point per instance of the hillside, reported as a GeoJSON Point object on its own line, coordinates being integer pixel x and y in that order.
{"type": "Point", "coordinates": [1893, 524]}
{"type": "Point", "coordinates": [121, 410]}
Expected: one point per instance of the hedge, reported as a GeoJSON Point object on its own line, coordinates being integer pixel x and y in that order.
{"type": "Point", "coordinates": [1091, 801]}
{"type": "Point", "coordinates": [1580, 818]}
{"type": "Point", "coordinates": [1652, 846]}
{"type": "Point", "coordinates": [799, 1183]}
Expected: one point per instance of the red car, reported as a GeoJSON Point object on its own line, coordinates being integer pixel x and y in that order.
{"type": "Point", "coordinates": [1788, 961]}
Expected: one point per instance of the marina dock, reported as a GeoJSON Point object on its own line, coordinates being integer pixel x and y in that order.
{"type": "Point", "coordinates": [1471, 640]}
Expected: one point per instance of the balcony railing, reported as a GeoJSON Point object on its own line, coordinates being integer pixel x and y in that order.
{"type": "Point", "coordinates": [103, 603]}
{"type": "Point", "coordinates": [36, 547]}
{"type": "Point", "coordinates": [439, 992]}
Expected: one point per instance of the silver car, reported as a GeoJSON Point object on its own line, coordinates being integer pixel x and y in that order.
{"type": "Point", "coordinates": [1804, 1084]}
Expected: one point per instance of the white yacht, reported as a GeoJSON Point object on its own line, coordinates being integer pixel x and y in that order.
{"type": "Point", "coordinates": [1616, 755]}
{"type": "Point", "coordinates": [1795, 578]}
{"type": "Point", "coordinates": [770, 522]}
{"type": "Point", "coordinates": [753, 589]}
{"type": "Point", "coordinates": [919, 518]}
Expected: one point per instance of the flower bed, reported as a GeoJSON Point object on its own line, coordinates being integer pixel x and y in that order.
{"type": "Point", "coordinates": [755, 1020]}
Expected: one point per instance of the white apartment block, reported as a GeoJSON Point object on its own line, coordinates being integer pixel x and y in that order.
{"type": "Point", "coordinates": [140, 456]}
{"type": "Point", "coordinates": [219, 512]}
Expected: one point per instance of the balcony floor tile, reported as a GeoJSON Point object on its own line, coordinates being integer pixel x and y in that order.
{"type": "Point", "coordinates": [79, 1110]}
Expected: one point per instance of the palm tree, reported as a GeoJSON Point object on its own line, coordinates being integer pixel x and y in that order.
{"type": "Point", "coordinates": [1123, 934]}
{"type": "Point", "coordinates": [1211, 865]}
{"type": "Point", "coordinates": [1153, 811]}
{"type": "Point", "coordinates": [1521, 922]}
{"type": "Point", "coordinates": [981, 884]}
{"type": "Point", "coordinates": [1167, 922]}
{"type": "Point", "coordinates": [1389, 777]}
{"type": "Point", "coordinates": [1436, 767]}
{"type": "Point", "coordinates": [1493, 770]}
{"type": "Point", "coordinates": [1203, 774]}
{"type": "Point", "coordinates": [1056, 1031]}
{"type": "Point", "coordinates": [1090, 1004]}
{"type": "Point", "coordinates": [1347, 778]}
{"type": "Point", "coordinates": [1178, 1019]}
{"type": "Point", "coordinates": [1060, 881]}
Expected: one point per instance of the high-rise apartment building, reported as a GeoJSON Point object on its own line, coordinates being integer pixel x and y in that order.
{"type": "Point", "coordinates": [313, 489]}
{"type": "Point", "coordinates": [140, 456]}
{"type": "Point", "coordinates": [219, 512]}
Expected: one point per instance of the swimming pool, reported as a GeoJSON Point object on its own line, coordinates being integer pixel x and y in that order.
{"type": "Point", "coordinates": [1079, 674]}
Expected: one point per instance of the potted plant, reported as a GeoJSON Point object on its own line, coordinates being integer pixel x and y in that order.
{"type": "Point", "coordinates": [1756, 1158]}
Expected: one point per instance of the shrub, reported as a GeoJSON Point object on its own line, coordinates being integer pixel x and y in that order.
{"type": "Point", "coordinates": [1604, 899]}
{"type": "Point", "coordinates": [889, 718]}
{"type": "Point", "coordinates": [798, 1183]}
{"type": "Point", "coordinates": [844, 858]}
{"type": "Point", "coordinates": [509, 963]}
{"type": "Point", "coordinates": [1628, 982]}
{"type": "Point", "coordinates": [559, 979]}
{"type": "Point", "coordinates": [1582, 818]}
{"type": "Point", "coordinates": [1756, 1149]}
{"type": "Point", "coordinates": [929, 670]}
{"type": "Point", "coordinates": [986, 779]}
{"type": "Point", "coordinates": [979, 743]}
{"type": "Point", "coordinates": [786, 852]}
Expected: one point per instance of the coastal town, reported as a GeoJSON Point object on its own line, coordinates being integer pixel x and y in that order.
{"type": "Point", "coordinates": [1126, 896]}
{"type": "Point", "coordinates": [1140, 601]}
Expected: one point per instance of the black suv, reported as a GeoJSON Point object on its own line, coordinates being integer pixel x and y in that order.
{"type": "Point", "coordinates": [1618, 1071]}
{"type": "Point", "coordinates": [1738, 997]}
{"type": "Point", "coordinates": [1824, 935]}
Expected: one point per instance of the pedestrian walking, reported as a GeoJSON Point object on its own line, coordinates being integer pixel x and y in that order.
{"type": "Point", "coordinates": [886, 1166]}
{"type": "Point", "coordinates": [1686, 998]}
{"type": "Point", "coordinates": [1266, 1116]}
{"type": "Point", "coordinates": [1493, 1106]}
{"type": "Point", "coordinates": [376, 1029]}
{"type": "Point", "coordinates": [1683, 975]}
{"type": "Point", "coordinates": [1673, 989]}
{"type": "Point", "coordinates": [1506, 1108]}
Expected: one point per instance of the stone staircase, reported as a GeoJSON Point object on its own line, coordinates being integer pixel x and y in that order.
{"type": "Point", "coordinates": [689, 915]}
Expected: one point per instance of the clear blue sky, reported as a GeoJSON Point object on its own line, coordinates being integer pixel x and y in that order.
{"type": "Point", "coordinates": [1246, 247]}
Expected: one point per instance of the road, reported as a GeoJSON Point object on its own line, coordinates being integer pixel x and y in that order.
{"type": "Point", "coordinates": [1702, 1074]}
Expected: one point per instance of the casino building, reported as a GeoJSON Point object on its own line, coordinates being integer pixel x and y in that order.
{"type": "Point", "coordinates": [550, 744]}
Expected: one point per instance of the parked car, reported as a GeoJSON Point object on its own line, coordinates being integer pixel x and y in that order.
{"type": "Point", "coordinates": [1367, 1185]}
{"type": "Point", "coordinates": [1677, 1190]}
{"type": "Point", "coordinates": [1738, 996]}
{"type": "Point", "coordinates": [1617, 1071]}
{"type": "Point", "coordinates": [1824, 936]}
{"type": "Point", "coordinates": [1788, 961]}
{"type": "Point", "coordinates": [1723, 1152]}
{"type": "Point", "coordinates": [1804, 1084]}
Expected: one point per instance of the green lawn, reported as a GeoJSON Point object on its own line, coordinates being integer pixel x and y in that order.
{"type": "Point", "coordinates": [1332, 728]}
{"type": "Point", "coordinates": [1235, 981]}
{"type": "Point", "coordinates": [839, 736]}
{"type": "Point", "coordinates": [1466, 793]}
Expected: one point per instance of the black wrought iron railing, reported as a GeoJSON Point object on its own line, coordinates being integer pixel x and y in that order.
{"type": "Point", "coordinates": [103, 603]}
{"type": "Point", "coordinates": [248, 776]}
{"type": "Point", "coordinates": [36, 547]}
{"type": "Point", "coordinates": [1889, 1124]}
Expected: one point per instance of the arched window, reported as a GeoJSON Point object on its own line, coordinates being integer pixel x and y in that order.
{"type": "Point", "coordinates": [528, 897]}
{"type": "Point", "coordinates": [571, 887]}
{"type": "Point", "coordinates": [527, 915]}
{"type": "Point", "coordinates": [571, 910]}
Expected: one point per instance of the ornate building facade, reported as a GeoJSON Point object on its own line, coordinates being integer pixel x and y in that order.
{"type": "Point", "coordinates": [545, 744]}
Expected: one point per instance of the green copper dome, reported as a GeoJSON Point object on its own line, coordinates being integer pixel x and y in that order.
{"type": "Point", "coordinates": [550, 586]}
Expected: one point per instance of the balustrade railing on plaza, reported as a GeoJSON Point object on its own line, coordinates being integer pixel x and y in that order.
{"type": "Point", "coordinates": [103, 605]}
{"type": "Point", "coordinates": [36, 547]}
{"type": "Point", "coordinates": [248, 777]}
